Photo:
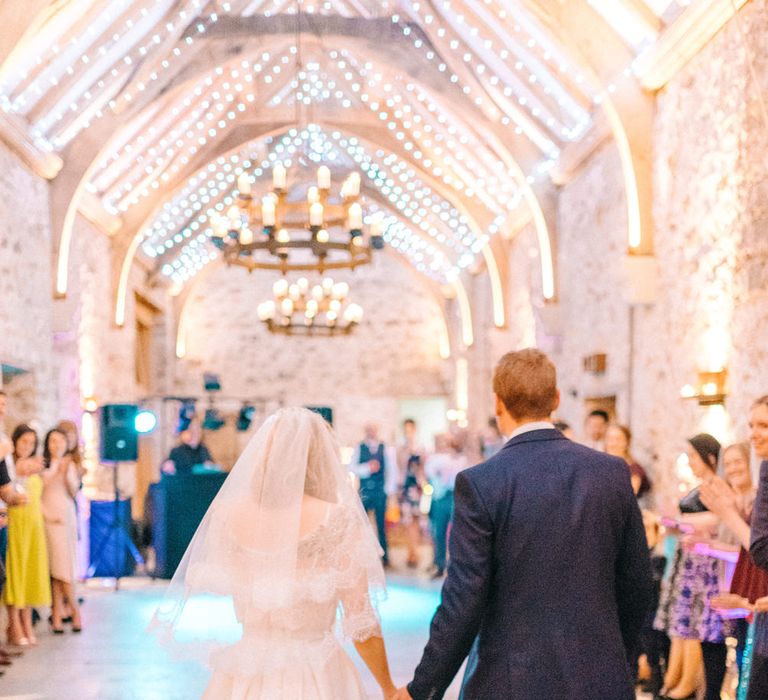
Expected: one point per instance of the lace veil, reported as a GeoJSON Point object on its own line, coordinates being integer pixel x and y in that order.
{"type": "Point", "coordinates": [249, 559]}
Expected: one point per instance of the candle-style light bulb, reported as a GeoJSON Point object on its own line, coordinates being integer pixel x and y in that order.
{"type": "Point", "coordinates": [324, 177]}
{"type": "Point", "coordinates": [266, 310]}
{"type": "Point", "coordinates": [316, 214]}
{"type": "Point", "coordinates": [246, 236]}
{"type": "Point", "coordinates": [286, 306]}
{"type": "Point", "coordinates": [268, 211]}
{"type": "Point", "coordinates": [313, 195]}
{"type": "Point", "coordinates": [279, 176]}
{"type": "Point", "coordinates": [280, 288]}
{"type": "Point", "coordinates": [355, 217]}
{"type": "Point", "coordinates": [244, 184]}
{"type": "Point", "coordinates": [354, 184]}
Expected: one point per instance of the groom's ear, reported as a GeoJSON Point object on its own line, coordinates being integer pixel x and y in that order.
{"type": "Point", "coordinates": [499, 407]}
{"type": "Point", "coordinates": [556, 402]}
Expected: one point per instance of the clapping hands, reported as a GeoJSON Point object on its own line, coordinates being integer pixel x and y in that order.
{"type": "Point", "coordinates": [717, 496]}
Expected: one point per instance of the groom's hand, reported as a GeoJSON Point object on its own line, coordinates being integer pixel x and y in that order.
{"type": "Point", "coordinates": [402, 694]}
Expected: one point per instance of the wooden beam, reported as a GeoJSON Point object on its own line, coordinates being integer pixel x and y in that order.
{"type": "Point", "coordinates": [14, 133]}
{"type": "Point", "coordinates": [683, 39]}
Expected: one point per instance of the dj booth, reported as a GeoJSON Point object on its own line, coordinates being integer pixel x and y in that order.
{"type": "Point", "coordinates": [179, 503]}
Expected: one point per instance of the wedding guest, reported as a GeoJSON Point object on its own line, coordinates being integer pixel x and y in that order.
{"type": "Point", "coordinates": [61, 484]}
{"type": "Point", "coordinates": [442, 469]}
{"type": "Point", "coordinates": [686, 613]}
{"type": "Point", "coordinates": [491, 441]}
{"type": "Point", "coordinates": [595, 425]}
{"type": "Point", "coordinates": [653, 646]}
{"type": "Point", "coordinates": [190, 451]}
{"type": "Point", "coordinates": [28, 579]}
{"type": "Point", "coordinates": [618, 439]}
{"type": "Point", "coordinates": [565, 429]}
{"type": "Point", "coordinates": [732, 500]}
{"type": "Point", "coordinates": [74, 452]}
{"type": "Point", "coordinates": [6, 446]}
{"type": "Point", "coordinates": [375, 464]}
{"type": "Point", "coordinates": [6, 451]}
{"type": "Point", "coordinates": [11, 497]}
{"type": "Point", "coordinates": [410, 461]}
{"type": "Point", "coordinates": [758, 427]}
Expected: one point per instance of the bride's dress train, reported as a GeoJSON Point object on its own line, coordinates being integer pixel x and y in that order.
{"type": "Point", "coordinates": [287, 547]}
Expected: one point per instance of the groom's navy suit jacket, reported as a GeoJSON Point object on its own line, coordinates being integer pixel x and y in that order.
{"type": "Point", "coordinates": [549, 571]}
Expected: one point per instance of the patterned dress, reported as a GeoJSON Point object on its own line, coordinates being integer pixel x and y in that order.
{"type": "Point", "coordinates": [685, 609]}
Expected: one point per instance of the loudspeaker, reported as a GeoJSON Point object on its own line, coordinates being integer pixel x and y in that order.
{"type": "Point", "coordinates": [119, 439]}
{"type": "Point", "coordinates": [325, 411]}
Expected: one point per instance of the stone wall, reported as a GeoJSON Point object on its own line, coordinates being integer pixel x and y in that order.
{"type": "Point", "coordinates": [593, 316]}
{"type": "Point", "coordinates": [25, 291]}
{"type": "Point", "coordinates": [394, 354]}
{"type": "Point", "coordinates": [710, 185]}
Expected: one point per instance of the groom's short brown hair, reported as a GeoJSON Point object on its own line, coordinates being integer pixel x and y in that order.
{"type": "Point", "coordinates": [526, 383]}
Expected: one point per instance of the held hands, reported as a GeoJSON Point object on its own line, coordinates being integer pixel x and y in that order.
{"type": "Point", "coordinates": [403, 693]}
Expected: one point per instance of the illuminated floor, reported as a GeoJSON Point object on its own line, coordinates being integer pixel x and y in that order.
{"type": "Point", "coordinates": [114, 660]}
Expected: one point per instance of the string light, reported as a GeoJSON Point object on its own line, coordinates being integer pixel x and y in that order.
{"type": "Point", "coordinates": [437, 167]}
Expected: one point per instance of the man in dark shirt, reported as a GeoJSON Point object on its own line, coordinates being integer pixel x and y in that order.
{"type": "Point", "coordinates": [190, 452]}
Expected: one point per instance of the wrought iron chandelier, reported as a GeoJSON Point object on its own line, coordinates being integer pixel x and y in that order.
{"type": "Point", "coordinates": [320, 310]}
{"type": "Point", "coordinates": [321, 233]}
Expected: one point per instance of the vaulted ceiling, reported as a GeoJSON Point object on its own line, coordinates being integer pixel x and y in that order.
{"type": "Point", "coordinates": [460, 114]}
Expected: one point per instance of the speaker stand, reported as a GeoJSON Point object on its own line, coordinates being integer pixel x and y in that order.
{"type": "Point", "coordinates": [122, 538]}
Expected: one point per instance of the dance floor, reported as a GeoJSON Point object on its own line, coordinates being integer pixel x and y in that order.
{"type": "Point", "coordinates": [114, 659]}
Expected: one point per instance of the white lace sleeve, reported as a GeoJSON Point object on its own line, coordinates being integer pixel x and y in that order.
{"type": "Point", "coordinates": [362, 582]}
{"type": "Point", "coordinates": [360, 620]}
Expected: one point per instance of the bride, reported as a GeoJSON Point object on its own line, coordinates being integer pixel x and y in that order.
{"type": "Point", "coordinates": [283, 564]}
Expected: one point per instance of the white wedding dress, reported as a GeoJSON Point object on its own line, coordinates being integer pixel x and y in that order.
{"type": "Point", "coordinates": [286, 558]}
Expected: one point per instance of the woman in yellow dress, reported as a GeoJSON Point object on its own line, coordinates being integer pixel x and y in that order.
{"type": "Point", "coordinates": [28, 582]}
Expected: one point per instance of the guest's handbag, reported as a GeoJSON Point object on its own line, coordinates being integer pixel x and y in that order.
{"type": "Point", "coordinates": [691, 503]}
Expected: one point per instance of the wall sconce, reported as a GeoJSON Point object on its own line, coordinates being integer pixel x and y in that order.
{"type": "Point", "coordinates": [709, 390]}
{"type": "Point", "coordinates": [595, 364]}
{"type": "Point", "coordinates": [90, 404]}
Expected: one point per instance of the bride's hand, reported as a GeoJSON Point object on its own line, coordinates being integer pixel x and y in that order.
{"type": "Point", "coordinates": [401, 694]}
{"type": "Point", "coordinates": [389, 692]}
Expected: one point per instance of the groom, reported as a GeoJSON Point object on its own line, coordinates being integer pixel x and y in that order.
{"type": "Point", "coordinates": [549, 575]}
